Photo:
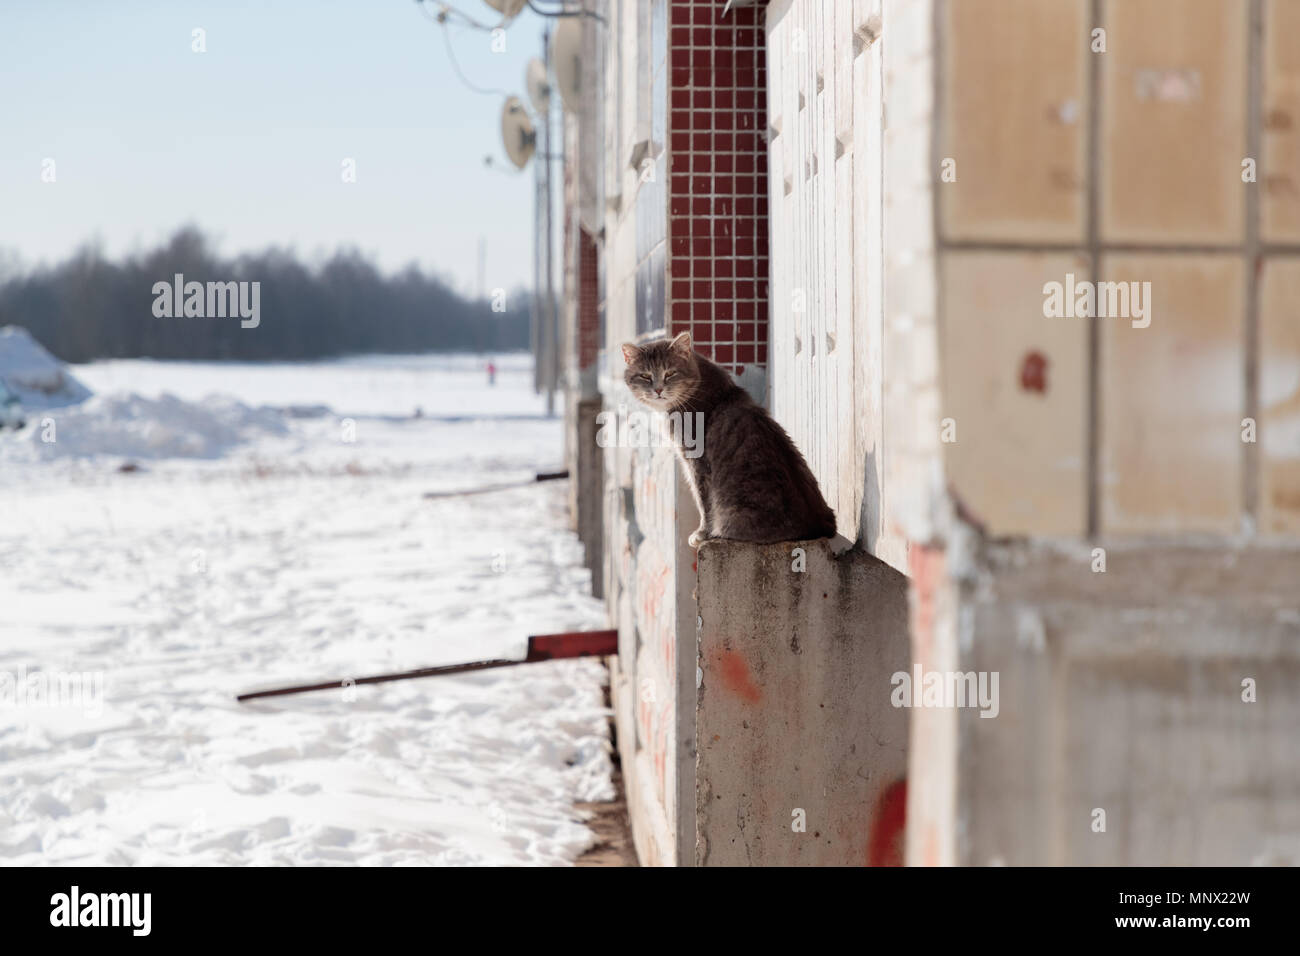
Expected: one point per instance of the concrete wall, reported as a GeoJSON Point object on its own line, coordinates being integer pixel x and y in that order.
{"type": "Point", "coordinates": [647, 510]}
{"type": "Point", "coordinates": [801, 756]}
{"type": "Point", "coordinates": [1158, 699]}
{"type": "Point", "coordinates": [1073, 426]}
{"type": "Point", "coordinates": [684, 248]}
{"type": "Point", "coordinates": [650, 593]}
{"type": "Point", "coordinates": [1103, 516]}
{"type": "Point", "coordinates": [919, 374]}
{"type": "Point", "coordinates": [687, 196]}
{"type": "Point", "coordinates": [845, 237]}
{"type": "Point", "coordinates": [586, 486]}
{"type": "Point", "coordinates": [1112, 539]}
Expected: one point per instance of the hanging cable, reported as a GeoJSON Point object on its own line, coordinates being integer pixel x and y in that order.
{"type": "Point", "coordinates": [441, 19]}
{"type": "Point", "coordinates": [566, 13]}
{"type": "Point", "coordinates": [451, 55]}
{"type": "Point", "coordinates": [446, 10]}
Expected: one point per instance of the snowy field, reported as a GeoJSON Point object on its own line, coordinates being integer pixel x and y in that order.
{"type": "Point", "coordinates": [276, 535]}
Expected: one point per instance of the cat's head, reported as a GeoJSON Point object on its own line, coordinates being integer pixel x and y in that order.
{"type": "Point", "coordinates": [661, 374]}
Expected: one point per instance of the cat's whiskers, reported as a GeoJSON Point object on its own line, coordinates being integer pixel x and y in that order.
{"type": "Point", "coordinates": [686, 404]}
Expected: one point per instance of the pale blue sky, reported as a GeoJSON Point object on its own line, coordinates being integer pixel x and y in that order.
{"type": "Point", "coordinates": [247, 139]}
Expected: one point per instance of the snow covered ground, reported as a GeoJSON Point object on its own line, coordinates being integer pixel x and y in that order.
{"type": "Point", "coordinates": [254, 546]}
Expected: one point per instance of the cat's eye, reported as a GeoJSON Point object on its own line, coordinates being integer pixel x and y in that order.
{"type": "Point", "coordinates": [643, 377]}
{"type": "Point", "coordinates": [668, 375]}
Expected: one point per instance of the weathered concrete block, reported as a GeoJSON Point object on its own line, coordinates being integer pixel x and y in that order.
{"type": "Point", "coordinates": [1015, 109]}
{"type": "Point", "coordinates": [1176, 466]}
{"type": "Point", "coordinates": [793, 714]}
{"type": "Point", "coordinates": [1279, 209]}
{"type": "Point", "coordinates": [1163, 89]}
{"type": "Point", "coordinates": [1017, 450]}
{"type": "Point", "coordinates": [1279, 397]}
{"type": "Point", "coordinates": [1147, 714]}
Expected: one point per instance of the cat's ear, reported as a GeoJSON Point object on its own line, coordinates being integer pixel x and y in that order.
{"type": "Point", "coordinates": [682, 344]}
{"type": "Point", "coordinates": [630, 353]}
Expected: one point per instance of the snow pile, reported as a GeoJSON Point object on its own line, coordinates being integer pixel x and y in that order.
{"type": "Point", "coordinates": [133, 426]}
{"type": "Point", "coordinates": [39, 379]}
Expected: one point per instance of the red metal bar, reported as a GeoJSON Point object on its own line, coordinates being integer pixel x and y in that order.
{"type": "Point", "coordinates": [541, 647]}
{"type": "Point", "coordinates": [545, 647]}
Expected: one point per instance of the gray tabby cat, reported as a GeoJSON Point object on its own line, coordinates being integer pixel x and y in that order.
{"type": "Point", "coordinates": [750, 482]}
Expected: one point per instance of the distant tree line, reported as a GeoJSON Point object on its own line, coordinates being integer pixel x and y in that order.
{"type": "Point", "coordinates": [90, 308]}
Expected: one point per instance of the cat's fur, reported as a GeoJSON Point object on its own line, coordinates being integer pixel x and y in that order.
{"type": "Point", "coordinates": [751, 483]}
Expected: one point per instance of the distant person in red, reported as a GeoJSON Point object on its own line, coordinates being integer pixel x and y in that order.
{"type": "Point", "coordinates": [492, 373]}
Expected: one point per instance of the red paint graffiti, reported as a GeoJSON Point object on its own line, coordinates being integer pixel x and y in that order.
{"type": "Point", "coordinates": [887, 826]}
{"type": "Point", "coordinates": [735, 677]}
{"type": "Point", "coordinates": [1033, 372]}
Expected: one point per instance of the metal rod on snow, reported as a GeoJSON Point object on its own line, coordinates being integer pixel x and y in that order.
{"type": "Point", "coordinates": [541, 647]}
{"type": "Point", "coordinates": [541, 476]}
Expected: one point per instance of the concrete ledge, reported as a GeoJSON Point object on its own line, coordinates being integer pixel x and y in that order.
{"type": "Point", "coordinates": [1150, 573]}
{"type": "Point", "coordinates": [793, 714]}
{"type": "Point", "coordinates": [1148, 713]}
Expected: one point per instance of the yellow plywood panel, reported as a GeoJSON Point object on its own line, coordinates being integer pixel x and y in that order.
{"type": "Point", "coordinates": [1014, 385]}
{"type": "Point", "coordinates": [1279, 397]}
{"type": "Point", "coordinates": [1279, 173]}
{"type": "Point", "coordinates": [1172, 397]}
{"type": "Point", "coordinates": [1014, 119]}
{"type": "Point", "coordinates": [1174, 116]}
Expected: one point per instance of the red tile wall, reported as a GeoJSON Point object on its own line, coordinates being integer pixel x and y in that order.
{"type": "Point", "coordinates": [717, 180]}
{"type": "Point", "coordinates": [588, 282]}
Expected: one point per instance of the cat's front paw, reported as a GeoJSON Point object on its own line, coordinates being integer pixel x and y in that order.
{"type": "Point", "coordinates": [697, 538]}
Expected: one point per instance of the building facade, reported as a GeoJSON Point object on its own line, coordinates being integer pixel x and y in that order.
{"type": "Point", "coordinates": [1020, 277]}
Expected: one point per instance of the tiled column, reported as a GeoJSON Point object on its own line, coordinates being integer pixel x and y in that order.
{"type": "Point", "coordinates": [717, 267]}
{"type": "Point", "coordinates": [588, 290]}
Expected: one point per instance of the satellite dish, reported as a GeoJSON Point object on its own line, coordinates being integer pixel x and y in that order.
{"type": "Point", "coordinates": [509, 9]}
{"type": "Point", "coordinates": [566, 51]}
{"type": "Point", "coordinates": [539, 87]}
{"type": "Point", "coordinates": [517, 132]}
